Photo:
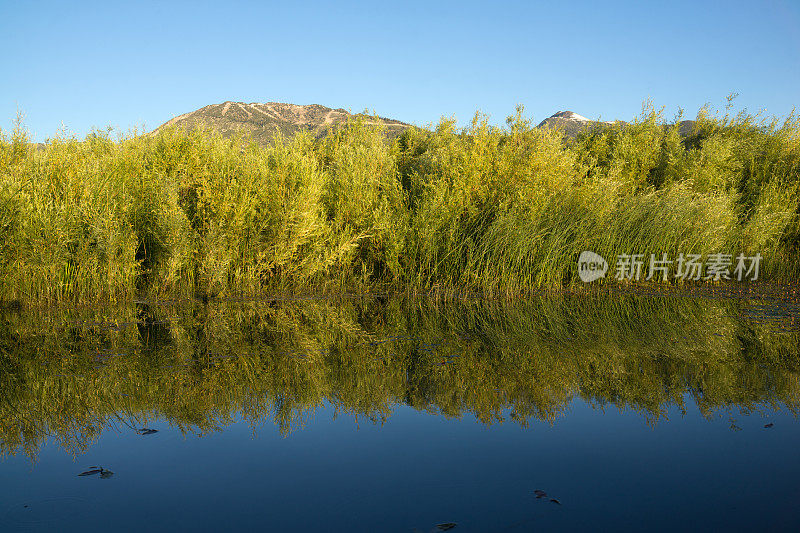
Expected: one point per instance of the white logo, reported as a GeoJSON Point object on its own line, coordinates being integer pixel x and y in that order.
{"type": "Point", "coordinates": [591, 267]}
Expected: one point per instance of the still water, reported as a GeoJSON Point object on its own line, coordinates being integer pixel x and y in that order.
{"type": "Point", "coordinates": [624, 412]}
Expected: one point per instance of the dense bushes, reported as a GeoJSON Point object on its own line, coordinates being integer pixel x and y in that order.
{"type": "Point", "coordinates": [484, 208]}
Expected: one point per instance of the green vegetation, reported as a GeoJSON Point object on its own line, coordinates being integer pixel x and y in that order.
{"type": "Point", "coordinates": [497, 210]}
{"type": "Point", "coordinates": [70, 374]}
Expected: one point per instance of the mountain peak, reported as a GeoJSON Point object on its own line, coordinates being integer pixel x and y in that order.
{"type": "Point", "coordinates": [572, 123]}
{"type": "Point", "coordinates": [570, 115]}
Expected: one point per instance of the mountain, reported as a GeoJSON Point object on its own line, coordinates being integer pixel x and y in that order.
{"type": "Point", "coordinates": [573, 123]}
{"type": "Point", "coordinates": [263, 120]}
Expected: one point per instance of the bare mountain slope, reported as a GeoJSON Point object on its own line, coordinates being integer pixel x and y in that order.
{"type": "Point", "coordinates": [262, 121]}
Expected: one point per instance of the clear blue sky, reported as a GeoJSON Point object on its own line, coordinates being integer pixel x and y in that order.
{"type": "Point", "coordinates": [92, 65]}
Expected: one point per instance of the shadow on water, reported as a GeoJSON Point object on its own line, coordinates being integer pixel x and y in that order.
{"type": "Point", "coordinates": [69, 375]}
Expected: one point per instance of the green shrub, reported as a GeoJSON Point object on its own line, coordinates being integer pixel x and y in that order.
{"type": "Point", "coordinates": [483, 208]}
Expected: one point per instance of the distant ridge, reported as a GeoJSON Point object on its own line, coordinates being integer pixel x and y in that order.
{"type": "Point", "coordinates": [263, 120]}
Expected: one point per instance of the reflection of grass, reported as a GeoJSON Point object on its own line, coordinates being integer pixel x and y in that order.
{"type": "Point", "coordinates": [497, 210]}
{"type": "Point", "coordinates": [71, 376]}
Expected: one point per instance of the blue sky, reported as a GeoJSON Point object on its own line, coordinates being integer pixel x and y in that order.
{"type": "Point", "coordinates": [84, 64]}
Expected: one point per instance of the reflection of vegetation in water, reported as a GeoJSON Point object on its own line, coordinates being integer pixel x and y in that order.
{"type": "Point", "coordinates": [70, 375]}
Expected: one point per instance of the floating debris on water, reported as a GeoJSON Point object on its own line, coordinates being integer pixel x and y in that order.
{"type": "Point", "coordinates": [104, 473]}
{"type": "Point", "coordinates": [146, 431]}
{"type": "Point", "coordinates": [540, 494]}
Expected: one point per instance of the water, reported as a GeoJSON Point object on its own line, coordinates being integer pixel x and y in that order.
{"type": "Point", "coordinates": [383, 414]}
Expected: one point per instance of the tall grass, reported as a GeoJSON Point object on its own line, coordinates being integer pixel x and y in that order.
{"type": "Point", "coordinates": [486, 208]}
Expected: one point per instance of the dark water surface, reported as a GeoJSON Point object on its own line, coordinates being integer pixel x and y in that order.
{"type": "Point", "coordinates": [387, 414]}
